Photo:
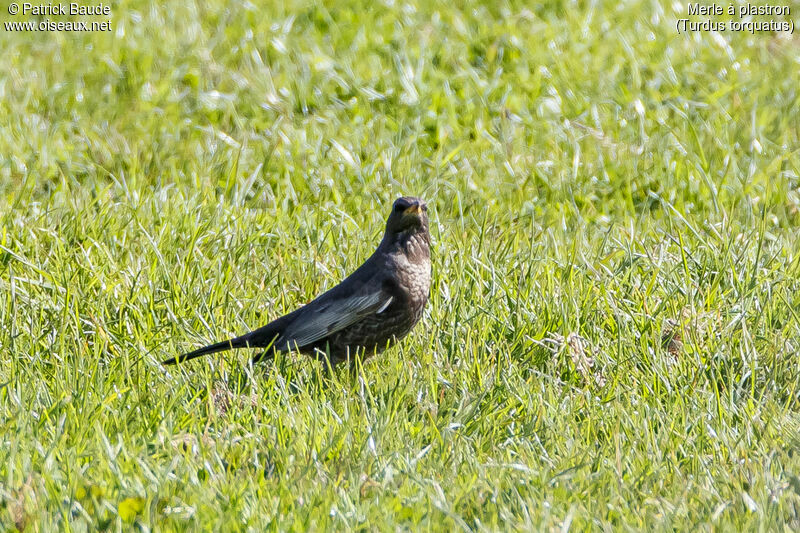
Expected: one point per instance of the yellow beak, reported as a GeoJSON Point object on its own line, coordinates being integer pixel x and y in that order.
{"type": "Point", "coordinates": [414, 209]}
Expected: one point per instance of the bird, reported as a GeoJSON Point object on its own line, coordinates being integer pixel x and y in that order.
{"type": "Point", "coordinates": [369, 311]}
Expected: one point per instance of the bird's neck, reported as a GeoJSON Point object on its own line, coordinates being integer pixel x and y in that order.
{"type": "Point", "coordinates": [414, 243]}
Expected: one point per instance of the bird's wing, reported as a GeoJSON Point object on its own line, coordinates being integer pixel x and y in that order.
{"type": "Point", "coordinates": [329, 314]}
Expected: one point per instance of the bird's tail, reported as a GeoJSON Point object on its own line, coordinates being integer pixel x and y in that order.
{"type": "Point", "coordinates": [260, 338]}
{"type": "Point", "coordinates": [212, 348]}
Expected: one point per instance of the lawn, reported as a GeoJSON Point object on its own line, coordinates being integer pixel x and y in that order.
{"type": "Point", "coordinates": [611, 339]}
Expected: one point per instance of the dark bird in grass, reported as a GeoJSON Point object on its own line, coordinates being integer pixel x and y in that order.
{"type": "Point", "coordinates": [374, 307]}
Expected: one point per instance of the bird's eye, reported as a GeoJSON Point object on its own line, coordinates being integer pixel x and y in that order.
{"type": "Point", "coordinates": [399, 208]}
{"type": "Point", "coordinates": [425, 208]}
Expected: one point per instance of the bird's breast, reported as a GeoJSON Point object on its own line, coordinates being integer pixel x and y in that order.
{"type": "Point", "coordinates": [413, 268]}
{"type": "Point", "coordinates": [418, 280]}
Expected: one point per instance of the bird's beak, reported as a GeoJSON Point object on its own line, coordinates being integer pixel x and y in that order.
{"type": "Point", "coordinates": [413, 210]}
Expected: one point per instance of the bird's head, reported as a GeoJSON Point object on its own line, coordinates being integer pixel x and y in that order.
{"type": "Point", "coordinates": [409, 215]}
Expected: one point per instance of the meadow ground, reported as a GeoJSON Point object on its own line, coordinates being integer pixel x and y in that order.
{"type": "Point", "coordinates": [612, 333]}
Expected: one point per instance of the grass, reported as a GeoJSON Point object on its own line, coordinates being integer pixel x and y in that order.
{"type": "Point", "coordinates": [612, 333]}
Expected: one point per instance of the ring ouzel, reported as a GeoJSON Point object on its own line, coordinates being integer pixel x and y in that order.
{"type": "Point", "coordinates": [371, 309]}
